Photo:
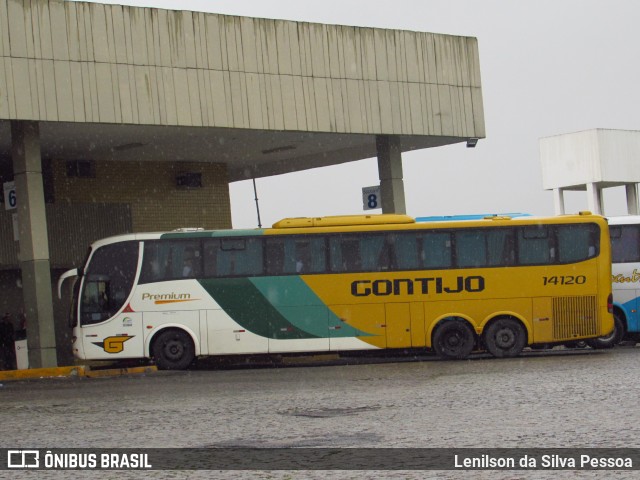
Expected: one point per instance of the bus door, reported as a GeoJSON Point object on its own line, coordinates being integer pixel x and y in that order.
{"type": "Point", "coordinates": [108, 328]}
{"type": "Point", "coordinates": [398, 325]}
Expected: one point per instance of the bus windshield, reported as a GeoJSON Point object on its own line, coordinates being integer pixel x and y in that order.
{"type": "Point", "coordinates": [108, 281]}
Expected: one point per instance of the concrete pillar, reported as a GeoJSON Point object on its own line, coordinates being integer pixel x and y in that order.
{"type": "Point", "coordinates": [34, 244]}
{"type": "Point", "coordinates": [390, 173]}
{"type": "Point", "coordinates": [594, 198]}
{"type": "Point", "coordinates": [558, 201]}
{"type": "Point", "coordinates": [632, 198]}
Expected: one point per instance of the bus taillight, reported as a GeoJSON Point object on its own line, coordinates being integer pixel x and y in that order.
{"type": "Point", "coordinates": [610, 303]}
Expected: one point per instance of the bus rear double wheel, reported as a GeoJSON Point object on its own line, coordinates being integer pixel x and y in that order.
{"type": "Point", "coordinates": [505, 337]}
{"type": "Point", "coordinates": [454, 338]}
{"type": "Point", "coordinates": [173, 349]}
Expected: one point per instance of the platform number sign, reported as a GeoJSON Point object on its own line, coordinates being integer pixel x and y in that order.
{"type": "Point", "coordinates": [371, 198]}
{"type": "Point", "coordinates": [10, 200]}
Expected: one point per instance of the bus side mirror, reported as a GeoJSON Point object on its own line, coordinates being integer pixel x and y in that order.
{"type": "Point", "coordinates": [69, 273]}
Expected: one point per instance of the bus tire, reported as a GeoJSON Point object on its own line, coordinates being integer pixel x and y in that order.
{"type": "Point", "coordinates": [611, 340]}
{"type": "Point", "coordinates": [173, 350]}
{"type": "Point", "coordinates": [505, 337]}
{"type": "Point", "coordinates": [454, 339]}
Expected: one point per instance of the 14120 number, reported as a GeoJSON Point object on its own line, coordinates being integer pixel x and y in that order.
{"type": "Point", "coordinates": [564, 280]}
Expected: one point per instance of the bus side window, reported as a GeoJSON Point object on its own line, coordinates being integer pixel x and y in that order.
{"type": "Point", "coordinates": [625, 243]}
{"type": "Point", "coordinates": [535, 246]}
{"type": "Point", "coordinates": [240, 257]}
{"type": "Point", "coordinates": [184, 259]}
{"type": "Point", "coordinates": [318, 254]}
{"type": "Point", "coordinates": [294, 255]}
{"type": "Point", "coordinates": [471, 248]}
{"type": "Point", "coordinates": [191, 262]}
{"type": "Point", "coordinates": [406, 251]}
{"type": "Point", "coordinates": [274, 254]}
{"type": "Point", "coordinates": [500, 247]}
{"type": "Point", "coordinates": [210, 257]}
{"type": "Point", "coordinates": [576, 242]}
{"type": "Point", "coordinates": [249, 260]}
{"type": "Point", "coordinates": [436, 250]}
{"type": "Point", "coordinates": [154, 261]}
{"type": "Point", "coordinates": [345, 254]}
{"type": "Point", "coordinates": [375, 253]}
{"type": "Point", "coordinates": [302, 256]}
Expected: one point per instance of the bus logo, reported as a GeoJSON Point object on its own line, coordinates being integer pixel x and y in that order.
{"type": "Point", "coordinates": [114, 344]}
{"type": "Point", "coordinates": [23, 459]}
{"type": "Point", "coordinates": [424, 286]}
{"type": "Point", "coordinates": [164, 298]}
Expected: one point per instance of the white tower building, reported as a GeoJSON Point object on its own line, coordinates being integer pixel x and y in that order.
{"type": "Point", "coordinates": [592, 160]}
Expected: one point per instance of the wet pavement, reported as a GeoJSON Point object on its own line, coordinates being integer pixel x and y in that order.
{"type": "Point", "coordinates": [557, 399]}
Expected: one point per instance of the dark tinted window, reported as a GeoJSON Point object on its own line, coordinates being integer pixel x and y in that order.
{"type": "Point", "coordinates": [577, 242]}
{"type": "Point", "coordinates": [485, 248]}
{"type": "Point", "coordinates": [422, 250]}
{"type": "Point", "coordinates": [295, 255]}
{"type": "Point", "coordinates": [625, 243]}
{"type": "Point", "coordinates": [375, 252]}
{"type": "Point", "coordinates": [501, 247]}
{"type": "Point", "coordinates": [535, 246]}
{"type": "Point", "coordinates": [171, 260]}
{"type": "Point", "coordinates": [357, 253]}
{"type": "Point", "coordinates": [471, 248]}
{"type": "Point", "coordinates": [233, 257]}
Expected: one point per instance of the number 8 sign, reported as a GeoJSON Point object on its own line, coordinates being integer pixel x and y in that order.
{"type": "Point", "coordinates": [371, 198]}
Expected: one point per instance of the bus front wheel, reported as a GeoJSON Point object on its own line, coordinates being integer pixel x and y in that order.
{"type": "Point", "coordinates": [454, 339]}
{"type": "Point", "coordinates": [173, 350]}
{"type": "Point", "coordinates": [505, 337]}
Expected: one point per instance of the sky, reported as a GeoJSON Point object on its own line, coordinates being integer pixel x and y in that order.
{"type": "Point", "coordinates": [548, 67]}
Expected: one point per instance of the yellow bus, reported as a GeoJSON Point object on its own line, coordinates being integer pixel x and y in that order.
{"type": "Point", "coordinates": [344, 283]}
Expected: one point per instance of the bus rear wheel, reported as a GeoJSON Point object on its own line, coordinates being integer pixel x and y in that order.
{"type": "Point", "coordinates": [454, 339]}
{"type": "Point", "coordinates": [611, 340]}
{"type": "Point", "coordinates": [505, 337]}
{"type": "Point", "coordinates": [173, 350]}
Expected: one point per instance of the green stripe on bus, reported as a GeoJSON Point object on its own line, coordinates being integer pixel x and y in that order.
{"type": "Point", "coordinates": [247, 306]}
{"type": "Point", "coordinates": [300, 305]}
{"type": "Point", "coordinates": [213, 233]}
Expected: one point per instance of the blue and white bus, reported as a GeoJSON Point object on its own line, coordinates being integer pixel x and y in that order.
{"type": "Point", "coordinates": [625, 255]}
{"type": "Point", "coordinates": [475, 216]}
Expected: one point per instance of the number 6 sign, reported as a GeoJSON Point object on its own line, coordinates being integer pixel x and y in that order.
{"type": "Point", "coordinates": [10, 200]}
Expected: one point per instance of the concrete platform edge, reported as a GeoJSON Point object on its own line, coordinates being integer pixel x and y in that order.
{"type": "Point", "coordinates": [74, 371]}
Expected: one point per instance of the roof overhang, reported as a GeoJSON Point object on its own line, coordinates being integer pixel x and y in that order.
{"type": "Point", "coordinates": [247, 153]}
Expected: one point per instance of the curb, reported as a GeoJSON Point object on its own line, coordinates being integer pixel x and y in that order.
{"type": "Point", "coordinates": [77, 371]}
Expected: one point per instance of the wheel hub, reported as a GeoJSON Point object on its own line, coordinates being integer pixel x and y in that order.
{"type": "Point", "coordinates": [174, 349]}
{"type": "Point", "coordinates": [453, 340]}
{"type": "Point", "coordinates": [505, 338]}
